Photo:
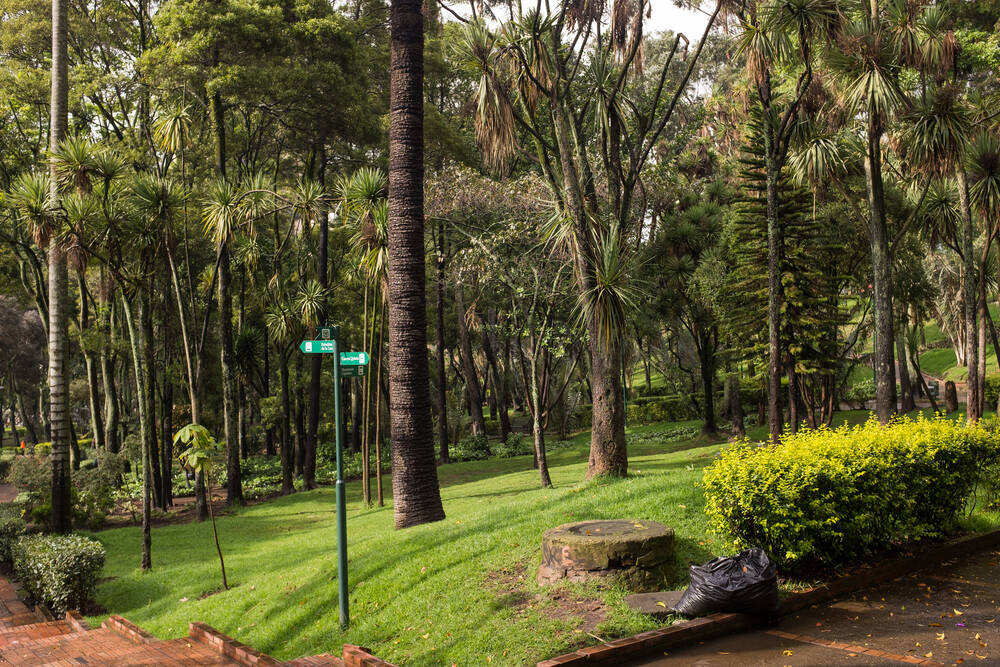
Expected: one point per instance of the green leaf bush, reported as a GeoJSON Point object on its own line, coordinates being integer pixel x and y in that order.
{"type": "Point", "coordinates": [59, 570]}
{"type": "Point", "coordinates": [827, 497]}
{"type": "Point", "coordinates": [12, 527]}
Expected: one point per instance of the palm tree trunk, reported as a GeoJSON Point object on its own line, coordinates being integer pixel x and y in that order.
{"type": "Point", "coordinates": [885, 367]}
{"type": "Point", "coordinates": [417, 497]}
{"type": "Point", "coordinates": [59, 415]}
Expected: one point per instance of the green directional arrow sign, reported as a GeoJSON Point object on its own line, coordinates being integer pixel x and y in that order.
{"type": "Point", "coordinates": [317, 346]}
{"type": "Point", "coordinates": [353, 371]}
{"type": "Point", "coordinates": [354, 358]}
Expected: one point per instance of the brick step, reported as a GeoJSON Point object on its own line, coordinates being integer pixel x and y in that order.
{"type": "Point", "coordinates": [172, 653]}
{"type": "Point", "coordinates": [19, 620]}
{"type": "Point", "coordinates": [64, 647]}
{"type": "Point", "coordinates": [32, 632]}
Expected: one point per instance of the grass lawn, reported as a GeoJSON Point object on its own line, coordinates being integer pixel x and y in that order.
{"type": "Point", "coordinates": [458, 591]}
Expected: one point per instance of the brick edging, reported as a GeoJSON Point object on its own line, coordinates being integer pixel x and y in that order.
{"type": "Point", "coordinates": [709, 627]}
{"type": "Point", "coordinates": [127, 629]}
{"type": "Point", "coordinates": [76, 621]}
{"type": "Point", "coordinates": [358, 656]}
{"type": "Point", "coordinates": [229, 647]}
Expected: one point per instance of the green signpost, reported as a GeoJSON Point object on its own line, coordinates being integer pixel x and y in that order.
{"type": "Point", "coordinates": [351, 364]}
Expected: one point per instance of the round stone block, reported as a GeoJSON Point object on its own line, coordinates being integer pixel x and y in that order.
{"type": "Point", "coordinates": [637, 552]}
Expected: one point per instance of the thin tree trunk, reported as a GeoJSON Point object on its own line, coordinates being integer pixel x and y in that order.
{"type": "Point", "coordinates": [708, 383]}
{"type": "Point", "coordinates": [906, 388]}
{"type": "Point", "coordinates": [970, 298]}
{"type": "Point", "coordinates": [417, 497]}
{"type": "Point", "coordinates": [234, 486]}
{"type": "Point", "coordinates": [378, 407]}
{"type": "Point", "coordinates": [147, 468]}
{"type": "Point", "coordinates": [442, 379]}
{"type": "Point", "coordinates": [472, 386]}
{"type": "Point", "coordinates": [885, 367]}
{"type": "Point", "coordinates": [167, 492]}
{"type": "Point", "coordinates": [149, 364]}
{"type": "Point", "coordinates": [287, 465]}
{"type": "Point", "coordinates": [111, 420]}
{"type": "Point", "coordinates": [309, 468]}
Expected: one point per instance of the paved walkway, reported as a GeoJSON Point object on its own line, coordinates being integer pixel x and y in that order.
{"type": "Point", "coordinates": [29, 638]}
{"type": "Point", "coordinates": [948, 616]}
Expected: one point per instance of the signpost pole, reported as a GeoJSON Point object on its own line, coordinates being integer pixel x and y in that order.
{"type": "Point", "coordinates": [345, 617]}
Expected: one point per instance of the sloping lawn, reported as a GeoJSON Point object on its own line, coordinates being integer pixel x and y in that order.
{"type": "Point", "coordinates": [461, 590]}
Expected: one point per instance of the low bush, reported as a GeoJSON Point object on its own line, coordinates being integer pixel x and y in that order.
{"type": "Point", "coordinates": [653, 409]}
{"type": "Point", "coordinates": [12, 527]}
{"type": "Point", "coordinates": [515, 445]}
{"type": "Point", "coordinates": [860, 393]}
{"type": "Point", "coordinates": [92, 492]}
{"type": "Point", "coordinates": [43, 449]}
{"type": "Point", "coordinates": [827, 497]}
{"type": "Point", "coordinates": [471, 448]}
{"type": "Point", "coordinates": [59, 570]}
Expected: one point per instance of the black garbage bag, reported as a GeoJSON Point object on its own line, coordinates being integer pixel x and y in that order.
{"type": "Point", "coordinates": [745, 583]}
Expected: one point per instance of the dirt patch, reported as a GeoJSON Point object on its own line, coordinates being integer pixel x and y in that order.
{"type": "Point", "coordinates": [516, 590]}
{"type": "Point", "coordinates": [590, 612]}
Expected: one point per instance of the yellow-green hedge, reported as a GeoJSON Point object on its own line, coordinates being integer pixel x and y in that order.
{"type": "Point", "coordinates": [826, 497]}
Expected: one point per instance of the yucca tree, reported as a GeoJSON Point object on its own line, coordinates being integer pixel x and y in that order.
{"type": "Point", "coordinates": [874, 49]}
{"type": "Point", "coordinates": [936, 135]}
{"type": "Point", "coordinates": [222, 214]}
{"type": "Point", "coordinates": [364, 206]}
{"type": "Point", "coordinates": [567, 86]}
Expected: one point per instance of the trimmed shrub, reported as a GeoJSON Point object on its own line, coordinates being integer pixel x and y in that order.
{"type": "Point", "coordinates": [827, 497]}
{"type": "Point", "coordinates": [59, 570]}
{"type": "Point", "coordinates": [43, 449]}
{"type": "Point", "coordinates": [12, 527]}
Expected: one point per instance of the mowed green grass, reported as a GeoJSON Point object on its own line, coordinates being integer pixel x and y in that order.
{"type": "Point", "coordinates": [432, 594]}
{"type": "Point", "coordinates": [458, 591]}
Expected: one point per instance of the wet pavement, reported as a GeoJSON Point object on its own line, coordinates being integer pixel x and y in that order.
{"type": "Point", "coordinates": [948, 615]}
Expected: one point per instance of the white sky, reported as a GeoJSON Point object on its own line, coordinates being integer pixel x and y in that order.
{"type": "Point", "coordinates": [665, 16]}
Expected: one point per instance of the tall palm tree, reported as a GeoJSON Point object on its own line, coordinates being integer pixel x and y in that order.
{"type": "Point", "coordinates": [59, 415]}
{"type": "Point", "coordinates": [417, 497]}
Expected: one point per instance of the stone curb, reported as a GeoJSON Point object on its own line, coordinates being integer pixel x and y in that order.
{"type": "Point", "coordinates": [716, 625]}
